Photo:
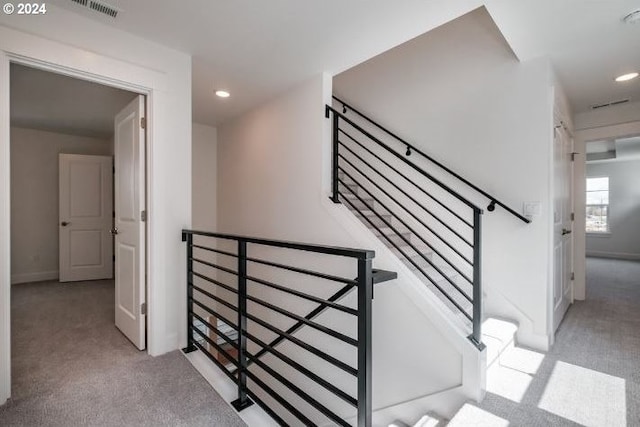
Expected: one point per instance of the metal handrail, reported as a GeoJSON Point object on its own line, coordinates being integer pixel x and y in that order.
{"type": "Point", "coordinates": [453, 207]}
{"type": "Point", "coordinates": [412, 148]}
{"type": "Point", "coordinates": [247, 395]}
{"type": "Point", "coordinates": [411, 164]}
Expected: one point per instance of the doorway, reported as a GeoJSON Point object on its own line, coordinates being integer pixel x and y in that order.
{"type": "Point", "coordinates": [65, 133]}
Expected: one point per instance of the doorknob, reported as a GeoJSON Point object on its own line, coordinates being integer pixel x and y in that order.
{"type": "Point", "coordinates": [565, 231]}
{"type": "Point", "coordinates": [65, 223]}
{"type": "Point", "coordinates": [114, 231]}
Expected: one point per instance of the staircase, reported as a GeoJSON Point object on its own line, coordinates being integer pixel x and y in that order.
{"type": "Point", "coordinates": [429, 217]}
{"type": "Point", "coordinates": [434, 271]}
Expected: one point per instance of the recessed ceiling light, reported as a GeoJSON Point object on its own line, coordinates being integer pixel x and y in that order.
{"type": "Point", "coordinates": [223, 93]}
{"type": "Point", "coordinates": [633, 17]}
{"type": "Point", "coordinates": [626, 77]}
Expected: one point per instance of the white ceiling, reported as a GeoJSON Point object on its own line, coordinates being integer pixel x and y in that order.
{"type": "Point", "coordinates": [56, 103]}
{"type": "Point", "coordinates": [256, 49]}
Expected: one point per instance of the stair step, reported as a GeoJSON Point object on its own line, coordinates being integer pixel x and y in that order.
{"type": "Point", "coordinates": [399, 237]}
{"type": "Point", "coordinates": [378, 219]}
{"type": "Point", "coordinates": [431, 420]}
{"type": "Point", "coordinates": [498, 335]}
{"type": "Point", "coordinates": [471, 415]}
{"type": "Point", "coordinates": [360, 204]}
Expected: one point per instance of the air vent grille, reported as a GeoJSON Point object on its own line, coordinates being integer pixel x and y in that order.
{"type": "Point", "coordinates": [609, 104]}
{"type": "Point", "coordinates": [103, 8]}
{"type": "Point", "coordinates": [99, 6]}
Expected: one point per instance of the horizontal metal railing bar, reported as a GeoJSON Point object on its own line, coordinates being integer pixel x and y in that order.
{"type": "Point", "coordinates": [221, 334]}
{"type": "Point", "coordinates": [337, 335]}
{"type": "Point", "coordinates": [217, 347]}
{"type": "Point", "coordinates": [449, 245]}
{"type": "Point", "coordinates": [208, 309]}
{"type": "Point", "coordinates": [216, 266]}
{"type": "Point", "coordinates": [218, 251]}
{"type": "Point", "coordinates": [446, 295]}
{"type": "Point", "coordinates": [432, 160]}
{"type": "Point", "coordinates": [407, 162]}
{"type": "Point", "coordinates": [410, 197]}
{"type": "Point", "coordinates": [216, 361]}
{"type": "Point", "coordinates": [303, 271]}
{"type": "Point", "coordinates": [298, 391]}
{"type": "Point", "coordinates": [215, 282]}
{"type": "Point", "coordinates": [311, 349]}
{"type": "Point", "coordinates": [267, 408]}
{"type": "Point", "coordinates": [281, 400]}
{"type": "Point", "coordinates": [413, 215]}
{"type": "Point", "coordinates": [329, 250]}
{"type": "Point", "coordinates": [410, 181]}
{"type": "Point", "coordinates": [303, 295]}
{"type": "Point", "coordinates": [434, 266]}
{"type": "Point", "coordinates": [312, 314]}
{"type": "Point", "coordinates": [314, 377]}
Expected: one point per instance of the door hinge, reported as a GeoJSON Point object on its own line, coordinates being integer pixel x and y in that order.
{"type": "Point", "coordinates": [114, 258]}
{"type": "Point", "coordinates": [143, 216]}
{"type": "Point", "coordinates": [573, 216]}
{"type": "Point", "coordinates": [143, 122]}
{"type": "Point", "coordinates": [143, 308]}
{"type": "Point", "coordinates": [573, 156]}
{"type": "Point", "coordinates": [573, 276]}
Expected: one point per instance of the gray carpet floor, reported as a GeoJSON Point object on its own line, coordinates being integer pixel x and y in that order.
{"type": "Point", "coordinates": [591, 376]}
{"type": "Point", "coordinates": [72, 367]}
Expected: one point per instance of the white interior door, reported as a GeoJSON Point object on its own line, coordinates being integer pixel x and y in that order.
{"type": "Point", "coordinates": [130, 228]}
{"type": "Point", "coordinates": [563, 225]}
{"type": "Point", "coordinates": [85, 217]}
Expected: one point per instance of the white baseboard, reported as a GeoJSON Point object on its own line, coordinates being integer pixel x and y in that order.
{"type": "Point", "coordinates": [254, 416]}
{"type": "Point", "coordinates": [614, 255]}
{"type": "Point", "coordinates": [34, 277]}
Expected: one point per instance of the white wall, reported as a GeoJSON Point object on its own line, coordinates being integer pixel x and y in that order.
{"type": "Point", "coordinates": [204, 177]}
{"type": "Point", "coordinates": [624, 207]}
{"type": "Point", "coordinates": [460, 95]}
{"type": "Point", "coordinates": [66, 42]}
{"type": "Point", "coordinates": [34, 198]}
{"type": "Point", "coordinates": [272, 165]}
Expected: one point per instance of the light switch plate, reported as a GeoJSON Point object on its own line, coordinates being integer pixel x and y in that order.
{"type": "Point", "coordinates": [531, 209]}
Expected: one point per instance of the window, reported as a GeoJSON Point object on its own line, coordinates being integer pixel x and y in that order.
{"type": "Point", "coordinates": [598, 205]}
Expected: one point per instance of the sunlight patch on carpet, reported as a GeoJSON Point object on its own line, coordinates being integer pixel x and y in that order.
{"type": "Point", "coordinates": [585, 396]}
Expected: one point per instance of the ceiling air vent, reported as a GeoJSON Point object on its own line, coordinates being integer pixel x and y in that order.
{"type": "Point", "coordinates": [609, 104]}
{"type": "Point", "coordinates": [99, 6]}
{"type": "Point", "coordinates": [103, 8]}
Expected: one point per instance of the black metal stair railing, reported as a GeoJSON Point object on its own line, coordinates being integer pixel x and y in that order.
{"type": "Point", "coordinates": [493, 201]}
{"type": "Point", "coordinates": [264, 322]}
{"type": "Point", "coordinates": [435, 230]}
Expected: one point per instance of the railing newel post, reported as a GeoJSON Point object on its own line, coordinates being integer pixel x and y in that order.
{"type": "Point", "coordinates": [188, 237]}
{"type": "Point", "coordinates": [476, 335]}
{"type": "Point", "coordinates": [365, 300]}
{"type": "Point", "coordinates": [243, 400]}
{"type": "Point", "coordinates": [334, 160]}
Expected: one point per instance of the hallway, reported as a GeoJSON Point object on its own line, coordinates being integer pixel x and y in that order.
{"type": "Point", "coordinates": [591, 376]}
{"type": "Point", "coordinates": [72, 367]}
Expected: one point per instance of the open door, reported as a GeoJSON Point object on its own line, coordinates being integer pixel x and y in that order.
{"type": "Point", "coordinates": [85, 213]}
{"type": "Point", "coordinates": [129, 228]}
{"type": "Point", "coordinates": [562, 225]}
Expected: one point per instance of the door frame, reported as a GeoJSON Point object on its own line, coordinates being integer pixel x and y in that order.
{"type": "Point", "coordinates": [75, 64]}
{"type": "Point", "coordinates": [581, 137]}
